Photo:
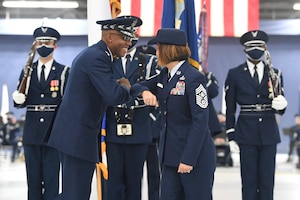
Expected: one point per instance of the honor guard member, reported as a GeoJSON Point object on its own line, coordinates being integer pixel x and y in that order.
{"type": "Point", "coordinates": [212, 92]}
{"type": "Point", "coordinates": [91, 88]}
{"type": "Point", "coordinates": [128, 129]}
{"type": "Point", "coordinates": [186, 149]}
{"type": "Point", "coordinates": [44, 90]}
{"type": "Point", "coordinates": [255, 131]}
{"type": "Point", "coordinates": [152, 163]}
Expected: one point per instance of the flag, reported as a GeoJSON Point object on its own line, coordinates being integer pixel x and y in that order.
{"type": "Point", "coordinates": [115, 6]}
{"type": "Point", "coordinates": [231, 17]}
{"type": "Point", "coordinates": [150, 11]}
{"type": "Point", "coordinates": [203, 38]}
{"type": "Point", "coordinates": [96, 10]}
{"type": "Point", "coordinates": [180, 14]}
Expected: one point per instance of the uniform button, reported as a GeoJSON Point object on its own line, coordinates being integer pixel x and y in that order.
{"type": "Point", "coordinates": [260, 119]}
{"type": "Point", "coordinates": [42, 95]}
{"type": "Point", "coordinates": [165, 101]}
{"type": "Point", "coordinates": [42, 120]}
{"type": "Point", "coordinates": [165, 113]}
{"type": "Point", "coordinates": [258, 95]}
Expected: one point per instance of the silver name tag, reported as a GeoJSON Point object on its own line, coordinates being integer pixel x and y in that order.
{"type": "Point", "coordinates": [124, 129]}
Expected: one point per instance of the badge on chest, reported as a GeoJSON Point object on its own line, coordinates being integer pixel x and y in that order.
{"type": "Point", "coordinates": [124, 129]}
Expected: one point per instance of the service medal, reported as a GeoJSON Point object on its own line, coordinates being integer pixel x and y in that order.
{"type": "Point", "coordinates": [54, 94]}
{"type": "Point", "coordinates": [54, 85]}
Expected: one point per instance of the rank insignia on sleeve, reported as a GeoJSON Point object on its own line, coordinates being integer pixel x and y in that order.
{"type": "Point", "coordinates": [201, 96]}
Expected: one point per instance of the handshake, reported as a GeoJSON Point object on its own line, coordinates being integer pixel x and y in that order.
{"type": "Point", "coordinates": [125, 82]}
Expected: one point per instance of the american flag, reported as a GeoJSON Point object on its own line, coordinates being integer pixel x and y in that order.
{"type": "Point", "coordinates": [229, 18]}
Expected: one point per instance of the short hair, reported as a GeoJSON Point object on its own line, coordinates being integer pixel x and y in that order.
{"type": "Point", "coordinates": [169, 53]}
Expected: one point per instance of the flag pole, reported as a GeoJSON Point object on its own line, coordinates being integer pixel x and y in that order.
{"type": "Point", "coordinates": [97, 10]}
{"type": "Point", "coordinates": [4, 103]}
{"type": "Point", "coordinates": [203, 33]}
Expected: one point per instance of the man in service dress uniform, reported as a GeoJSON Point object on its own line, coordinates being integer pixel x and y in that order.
{"type": "Point", "coordinates": [126, 149]}
{"type": "Point", "coordinates": [44, 90]}
{"type": "Point", "coordinates": [255, 131]}
{"type": "Point", "coordinates": [90, 90]}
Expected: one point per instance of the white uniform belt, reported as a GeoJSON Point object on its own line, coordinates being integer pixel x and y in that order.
{"type": "Point", "coordinates": [41, 108]}
{"type": "Point", "coordinates": [256, 108]}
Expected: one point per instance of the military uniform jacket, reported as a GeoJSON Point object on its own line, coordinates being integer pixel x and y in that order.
{"type": "Point", "coordinates": [90, 90]}
{"type": "Point", "coordinates": [183, 102]}
{"type": "Point", "coordinates": [253, 128]}
{"type": "Point", "coordinates": [212, 92]}
{"type": "Point", "coordinates": [41, 101]}
{"type": "Point", "coordinates": [141, 121]}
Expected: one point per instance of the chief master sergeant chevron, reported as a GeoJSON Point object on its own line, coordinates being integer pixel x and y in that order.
{"type": "Point", "coordinates": [44, 91]}
{"type": "Point", "coordinates": [255, 131]}
{"type": "Point", "coordinates": [90, 90]}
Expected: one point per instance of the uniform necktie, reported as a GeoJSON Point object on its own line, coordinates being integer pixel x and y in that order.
{"type": "Point", "coordinates": [127, 63]}
{"type": "Point", "coordinates": [255, 76]}
{"type": "Point", "coordinates": [42, 76]}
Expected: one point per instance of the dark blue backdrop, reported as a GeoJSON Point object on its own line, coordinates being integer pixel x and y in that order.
{"type": "Point", "coordinates": [224, 53]}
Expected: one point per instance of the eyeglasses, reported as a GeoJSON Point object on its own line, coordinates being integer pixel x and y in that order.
{"type": "Point", "coordinates": [124, 37]}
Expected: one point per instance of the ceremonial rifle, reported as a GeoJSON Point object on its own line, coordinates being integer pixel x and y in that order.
{"type": "Point", "coordinates": [274, 82]}
{"type": "Point", "coordinates": [27, 69]}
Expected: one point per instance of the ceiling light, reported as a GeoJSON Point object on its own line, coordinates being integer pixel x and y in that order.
{"type": "Point", "coordinates": [40, 4]}
{"type": "Point", "coordinates": [296, 6]}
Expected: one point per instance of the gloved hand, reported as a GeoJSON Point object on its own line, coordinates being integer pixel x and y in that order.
{"type": "Point", "coordinates": [19, 98]}
{"type": "Point", "coordinates": [234, 147]}
{"type": "Point", "coordinates": [279, 103]}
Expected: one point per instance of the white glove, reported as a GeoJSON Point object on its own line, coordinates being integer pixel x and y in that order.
{"type": "Point", "coordinates": [279, 103]}
{"type": "Point", "coordinates": [19, 98]}
{"type": "Point", "coordinates": [234, 147]}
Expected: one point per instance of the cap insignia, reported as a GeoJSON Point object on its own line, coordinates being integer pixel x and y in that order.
{"type": "Point", "coordinates": [254, 33]}
{"type": "Point", "coordinates": [44, 29]}
{"type": "Point", "coordinates": [134, 23]}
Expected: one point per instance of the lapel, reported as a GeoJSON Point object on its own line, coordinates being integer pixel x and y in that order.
{"type": "Point", "coordinates": [118, 67]}
{"type": "Point", "coordinates": [134, 65]}
{"type": "Point", "coordinates": [265, 77]}
{"type": "Point", "coordinates": [34, 76]}
{"type": "Point", "coordinates": [245, 75]}
{"type": "Point", "coordinates": [172, 83]}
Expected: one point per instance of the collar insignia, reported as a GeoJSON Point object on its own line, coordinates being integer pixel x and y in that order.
{"type": "Point", "coordinates": [182, 78]}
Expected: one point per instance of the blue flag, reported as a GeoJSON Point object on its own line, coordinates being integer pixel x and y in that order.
{"type": "Point", "coordinates": [180, 14]}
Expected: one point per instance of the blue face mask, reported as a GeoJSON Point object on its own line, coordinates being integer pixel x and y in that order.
{"type": "Point", "coordinates": [45, 51]}
{"type": "Point", "coordinates": [255, 52]}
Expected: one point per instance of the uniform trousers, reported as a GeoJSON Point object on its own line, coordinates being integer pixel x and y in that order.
{"type": "Point", "coordinates": [257, 171]}
{"type": "Point", "coordinates": [125, 170]}
{"type": "Point", "coordinates": [196, 185]}
{"type": "Point", "coordinates": [153, 172]}
{"type": "Point", "coordinates": [42, 169]}
{"type": "Point", "coordinates": [77, 177]}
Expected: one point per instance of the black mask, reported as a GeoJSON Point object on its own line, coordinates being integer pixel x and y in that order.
{"type": "Point", "coordinates": [45, 51]}
{"type": "Point", "coordinates": [255, 53]}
